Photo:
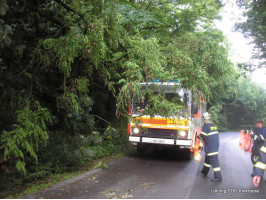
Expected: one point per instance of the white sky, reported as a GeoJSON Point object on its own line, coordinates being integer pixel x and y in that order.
{"type": "Point", "coordinates": [241, 50]}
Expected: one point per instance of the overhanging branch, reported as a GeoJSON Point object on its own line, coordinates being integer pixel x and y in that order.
{"type": "Point", "coordinates": [149, 5]}
{"type": "Point", "coordinates": [74, 11]}
{"type": "Point", "coordinates": [154, 27]}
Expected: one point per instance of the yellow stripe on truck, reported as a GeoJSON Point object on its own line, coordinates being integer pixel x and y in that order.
{"type": "Point", "coordinates": [162, 121]}
{"type": "Point", "coordinates": [162, 127]}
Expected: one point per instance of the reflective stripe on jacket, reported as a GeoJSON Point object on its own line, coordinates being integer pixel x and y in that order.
{"type": "Point", "coordinates": [260, 165]}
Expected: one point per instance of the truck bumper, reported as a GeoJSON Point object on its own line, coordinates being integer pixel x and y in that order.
{"type": "Point", "coordinates": [134, 140]}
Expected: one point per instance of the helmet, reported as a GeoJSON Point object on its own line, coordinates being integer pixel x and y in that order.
{"type": "Point", "coordinates": [207, 117]}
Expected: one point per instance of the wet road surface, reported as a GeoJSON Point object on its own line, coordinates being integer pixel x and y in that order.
{"type": "Point", "coordinates": [162, 174]}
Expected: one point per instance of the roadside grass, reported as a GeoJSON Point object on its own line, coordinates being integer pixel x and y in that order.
{"type": "Point", "coordinates": [19, 191]}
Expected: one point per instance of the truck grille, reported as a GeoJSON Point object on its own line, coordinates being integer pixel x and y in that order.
{"type": "Point", "coordinates": [160, 133]}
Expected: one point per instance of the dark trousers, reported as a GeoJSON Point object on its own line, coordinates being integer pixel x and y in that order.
{"type": "Point", "coordinates": [254, 159]}
{"type": "Point", "coordinates": [212, 161]}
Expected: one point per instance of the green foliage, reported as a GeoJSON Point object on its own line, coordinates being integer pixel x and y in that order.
{"type": "Point", "coordinates": [3, 7]}
{"type": "Point", "coordinates": [93, 139]}
{"type": "Point", "coordinates": [254, 26]}
{"type": "Point", "coordinates": [82, 85]}
{"type": "Point", "coordinates": [29, 131]}
{"type": "Point", "coordinates": [5, 31]}
{"type": "Point", "coordinates": [200, 61]}
{"type": "Point", "coordinates": [111, 133]}
{"type": "Point", "coordinates": [247, 105]}
{"type": "Point", "coordinates": [160, 105]}
{"type": "Point", "coordinates": [36, 175]}
{"type": "Point", "coordinates": [101, 164]}
{"type": "Point", "coordinates": [218, 118]}
{"type": "Point", "coordinates": [81, 60]}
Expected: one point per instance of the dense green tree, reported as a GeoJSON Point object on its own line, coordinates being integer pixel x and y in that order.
{"type": "Point", "coordinates": [246, 105]}
{"type": "Point", "coordinates": [254, 26]}
{"type": "Point", "coordinates": [67, 69]}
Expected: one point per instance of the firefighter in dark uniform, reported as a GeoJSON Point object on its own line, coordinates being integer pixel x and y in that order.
{"type": "Point", "coordinates": [259, 136]}
{"type": "Point", "coordinates": [142, 105]}
{"type": "Point", "coordinates": [260, 166]}
{"type": "Point", "coordinates": [210, 137]}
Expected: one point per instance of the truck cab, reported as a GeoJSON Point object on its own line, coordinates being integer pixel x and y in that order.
{"type": "Point", "coordinates": [178, 130]}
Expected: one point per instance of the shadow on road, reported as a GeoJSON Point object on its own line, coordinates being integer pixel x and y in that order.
{"type": "Point", "coordinates": [162, 154]}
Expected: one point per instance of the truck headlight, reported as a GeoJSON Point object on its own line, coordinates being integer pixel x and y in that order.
{"type": "Point", "coordinates": [183, 134]}
{"type": "Point", "coordinates": [136, 130]}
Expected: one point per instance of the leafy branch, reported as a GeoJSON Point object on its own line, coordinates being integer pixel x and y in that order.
{"type": "Point", "coordinates": [76, 12]}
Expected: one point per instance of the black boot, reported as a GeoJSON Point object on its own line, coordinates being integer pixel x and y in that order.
{"type": "Point", "coordinates": [216, 180]}
{"type": "Point", "coordinates": [202, 174]}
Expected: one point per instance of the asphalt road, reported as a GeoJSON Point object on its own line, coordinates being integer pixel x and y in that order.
{"type": "Point", "coordinates": [162, 174]}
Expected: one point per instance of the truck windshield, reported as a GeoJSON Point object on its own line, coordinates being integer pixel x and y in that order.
{"type": "Point", "coordinates": [139, 104]}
